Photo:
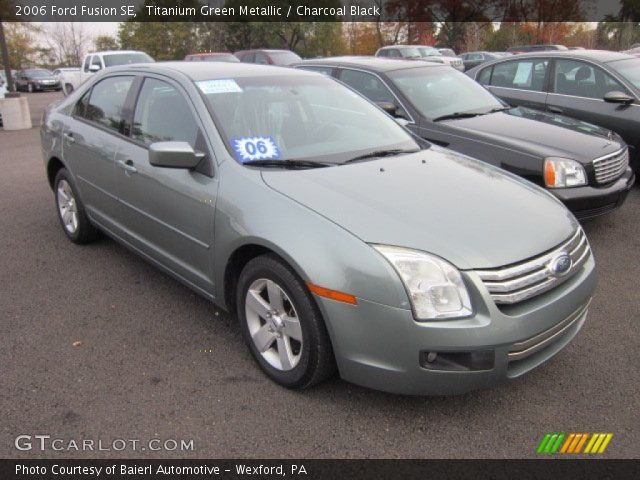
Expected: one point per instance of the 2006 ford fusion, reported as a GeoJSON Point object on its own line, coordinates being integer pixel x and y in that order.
{"type": "Point", "coordinates": [337, 238]}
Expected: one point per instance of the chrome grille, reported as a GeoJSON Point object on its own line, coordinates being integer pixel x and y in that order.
{"type": "Point", "coordinates": [610, 167]}
{"type": "Point", "coordinates": [524, 280]}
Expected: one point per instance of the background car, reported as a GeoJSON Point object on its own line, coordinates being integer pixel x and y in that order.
{"type": "Point", "coordinates": [584, 166]}
{"type": "Point", "coordinates": [36, 79]}
{"type": "Point", "coordinates": [338, 239]}
{"type": "Point", "coordinates": [419, 52]}
{"type": "Point", "coordinates": [212, 57]}
{"type": "Point", "coordinates": [473, 59]}
{"type": "Point", "coordinates": [57, 73]}
{"type": "Point", "coordinates": [282, 58]}
{"type": "Point", "coordinates": [447, 52]}
{"type": "Point", "coordinates": [535, 48]}
{"type": "Point", "coordinates": [596, 86]}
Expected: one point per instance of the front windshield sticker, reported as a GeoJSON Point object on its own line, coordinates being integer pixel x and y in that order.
{"type": "Point", "coordinates": [255, 148]}
{"type": "Point", "coordinates": [223, 85]}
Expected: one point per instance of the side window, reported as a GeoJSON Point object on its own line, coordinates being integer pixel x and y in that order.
{"type": "Point", "coordinates": [394, 52]}
{"type": "Point", "coordinates": [484, 76]}
{"type": "Point", "coordinates": [107, 101]}
{"type": "Point", "coordinates": [523, 74]}
{"type": "Point", "coordinates": [261, 58]}
{"type": "Point", "coordinates": [248, 58]}
{"type": "Point", "coordinates": [383, 53]}
{"type": "Point", "coordinates": [87, 62]}
{"type": "Point", "coordinates": [163, 115]}
{"type": "Point", "coordinates": [96, 61]}
{"type": "Point", "coordinates": [368, 85]}
{"type": "Point", "coordinates": [324, 70]}
{"type": "Point", "coordinates": [581, 79]}
{"type": "Point", "coordinates": [80, 108]}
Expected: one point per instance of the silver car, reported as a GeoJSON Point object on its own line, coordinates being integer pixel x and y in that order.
{"type": "Point", "coordinates": [338, 239]}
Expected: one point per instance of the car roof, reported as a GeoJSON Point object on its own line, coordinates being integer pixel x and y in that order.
{"type": "Point", "coordinates": [374, 64]}
{"type": "Point", "coordinates": [209, 54]}
{"type": "Point", "coordinates": [111, 52]}
{"type": "Point", "coordinates": [602, 56]}
{"type": "Point", "coordinates": [210, 70]}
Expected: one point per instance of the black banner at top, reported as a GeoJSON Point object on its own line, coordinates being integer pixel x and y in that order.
{"type": "Point", "coordinates": [320, 10]}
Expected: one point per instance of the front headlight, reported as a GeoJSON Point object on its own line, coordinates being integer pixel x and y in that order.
{"type": "Point", "coordinates": [435, 287]}
{"type": "Point", "coordinates": [563, 172]}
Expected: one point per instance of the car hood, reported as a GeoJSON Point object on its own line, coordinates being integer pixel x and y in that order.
{"type": "Point", "coordinates": [468, 212]}
{"type": "Point", "coordinates": [541, 134]}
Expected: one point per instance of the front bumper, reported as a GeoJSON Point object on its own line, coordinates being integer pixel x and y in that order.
{"type": "Point", "coordinates": [47, 86]}
{"type": "Point", "coordinates": [587, 202]}
{"type": "Point", "coordinates": [384, 348]}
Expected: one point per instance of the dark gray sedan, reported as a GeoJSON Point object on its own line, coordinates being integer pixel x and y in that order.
{"type": "Point", "coordinates": [583, 165]}
{"type": "Point", "coordinates": [334, 235]}
{"type": "Point", "coordinates": [596, 86]}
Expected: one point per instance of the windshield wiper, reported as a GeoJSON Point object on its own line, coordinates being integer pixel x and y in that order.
{"type": "Point", "coordinates": [379, 153]}
{"type": "Point", "coordinates": [289, 163]}
{"type": "Point", "coordinates": [498, 109]}
{"type": "Point", "coordinates": [458, 115]}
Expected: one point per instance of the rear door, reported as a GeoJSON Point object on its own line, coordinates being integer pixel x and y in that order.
{"type": "Point", "coordinates": [168, 213]}
{"type": "Point", "coordinates": [520, 82]}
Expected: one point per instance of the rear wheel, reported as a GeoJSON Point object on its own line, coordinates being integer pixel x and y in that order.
{"type": "Point", "coordinates": [282, 325]}
{"type": "Point", "coordinates": [71, 212]}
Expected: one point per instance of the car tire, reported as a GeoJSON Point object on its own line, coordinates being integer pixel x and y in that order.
{"type": "Point", "coordinates": [68, 89]}
{"type": "Point", "coordinates": [71, 212]}
{"type": "Point", "coordinates": [30, 88]}
{"type": "Point", "coordinates": [292, 346]}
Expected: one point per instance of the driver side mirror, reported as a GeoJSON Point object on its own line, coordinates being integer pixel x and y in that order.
{"type": "Point", "coordinates": [174, 155]}
{"type": "Point", "coordinates": [618, 97]}
{"type": "Point", "coordinates": [392, 110]}
{"type": "Point", "coordinates": [94, 68]}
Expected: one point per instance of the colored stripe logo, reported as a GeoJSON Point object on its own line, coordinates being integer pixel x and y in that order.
{"type": "Point", "coordinates": [573, 443]}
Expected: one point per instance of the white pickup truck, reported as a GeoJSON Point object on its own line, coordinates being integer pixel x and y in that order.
{"type": "Point", "coordinates": [96, 61]}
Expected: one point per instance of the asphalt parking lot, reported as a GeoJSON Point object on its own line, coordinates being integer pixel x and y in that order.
{"type": "Point", "coordinates": [98, 344]}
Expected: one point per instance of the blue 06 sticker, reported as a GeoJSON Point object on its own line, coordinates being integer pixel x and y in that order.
{"type": "Point", "coordinates": [255, 148]}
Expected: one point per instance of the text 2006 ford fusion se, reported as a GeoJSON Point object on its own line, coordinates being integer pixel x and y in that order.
{"type": "Point", "coordinates": [336, 238]}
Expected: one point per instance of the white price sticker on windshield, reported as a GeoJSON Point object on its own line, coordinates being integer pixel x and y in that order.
{"type": "Point", "coordinates": [255, 148]}
{"type": "Point", "coordinates": [223, 85]}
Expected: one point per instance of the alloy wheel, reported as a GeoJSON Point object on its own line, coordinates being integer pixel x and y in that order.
{"type": "Point", "coordinates": [273, 324]}
{"type": "Point", "coordinates": [67, 206]}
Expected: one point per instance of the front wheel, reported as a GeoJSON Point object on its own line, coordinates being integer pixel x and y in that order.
{"type": "Point", "coordinates": [68, 89]}
{"type": "Point", "coordinates": [282, 325]}
{"type": "Point", "coordinates": [71, 212]}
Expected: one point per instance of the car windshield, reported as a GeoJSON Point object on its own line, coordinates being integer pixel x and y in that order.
{"type": "Point", "coordinates": [38, 73]}
{"type": "Point", "coordinates": [111, 60]}
{"type": "Point", "coordinates": [428, 52]}
{"type": "Point", "coordinates": [284, 58]}
{"type": "Point", "coordinates": [221, 58]}
{"type": "Point", "coordinates": [442, 91]}
{"type": "Point", "coordinates": [629, 69]}
{"type": "Point", "coordinates": [299, 117]}
{"type": "Point", "coordinates": [448, 52]}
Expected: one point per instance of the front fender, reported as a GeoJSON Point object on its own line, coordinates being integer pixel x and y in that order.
{"type": "Point", "coordinates": [249, 212]}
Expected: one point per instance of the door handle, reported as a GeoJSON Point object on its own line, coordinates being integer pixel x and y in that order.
{"type": "Point", "coordinates": [69, 137]}
{"type": "Point", "coordinates": [555, 109]}
{"type": "Point", "coordinates": [127, 166]}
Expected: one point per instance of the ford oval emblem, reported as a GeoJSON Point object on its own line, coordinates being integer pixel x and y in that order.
{"type": "Point", "coordinates": [560, 265]}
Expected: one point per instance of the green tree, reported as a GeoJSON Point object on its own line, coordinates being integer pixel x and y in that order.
{"type": "Point", "coordinates": [163, 41]}
{"type": "Point", "coordinates": [105, 42]}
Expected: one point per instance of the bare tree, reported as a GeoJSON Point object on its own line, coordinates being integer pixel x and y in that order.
{"type": "Point", "coordinates": [68, 41]}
